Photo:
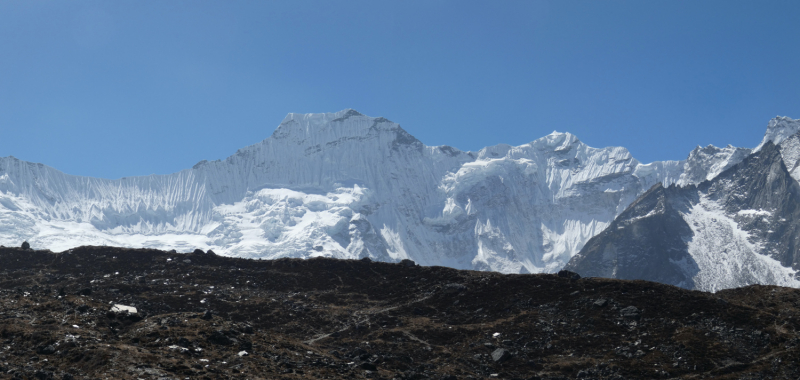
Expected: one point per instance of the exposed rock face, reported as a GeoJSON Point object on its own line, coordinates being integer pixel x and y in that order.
{"type": "Point", "coordinates": [642, 243]}
{"type": "Point", "coordinates": [740, 228]}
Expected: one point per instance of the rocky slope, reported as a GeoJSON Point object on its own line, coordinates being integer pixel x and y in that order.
{"type": "Point", "coordinates": [68, 316]}
{"type": "Point", "coordinates": [101, 312]}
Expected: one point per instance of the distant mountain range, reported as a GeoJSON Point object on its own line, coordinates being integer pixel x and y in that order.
{"type": "Point", "coordinates": [346, 185]}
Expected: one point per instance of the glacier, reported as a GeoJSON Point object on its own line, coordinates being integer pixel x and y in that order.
{"type": "Point", "coordinates": [346, 185]}
{"type": "Point", "coordinates": [726, 255]}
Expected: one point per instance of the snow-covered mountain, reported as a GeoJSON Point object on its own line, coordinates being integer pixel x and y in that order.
{"type": "Point", "coordinates": [739, 227]}
{"type": "Point", "coordinates": [349, 186]}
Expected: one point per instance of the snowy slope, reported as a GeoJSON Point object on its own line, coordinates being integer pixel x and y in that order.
{"type": "Point", "coordinates": [348, 185]}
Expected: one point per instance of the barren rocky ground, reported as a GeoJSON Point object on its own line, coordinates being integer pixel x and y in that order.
{"type": "Point", "coordinates": [202, 316]}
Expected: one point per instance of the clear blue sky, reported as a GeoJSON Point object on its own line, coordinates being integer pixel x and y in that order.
{"type": "Point", "coordinates": [122, 88]}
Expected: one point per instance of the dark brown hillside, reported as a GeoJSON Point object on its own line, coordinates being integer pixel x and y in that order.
{"type": "Point", "coordinates": [203, 316]}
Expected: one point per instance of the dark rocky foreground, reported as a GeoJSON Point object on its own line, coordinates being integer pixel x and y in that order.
{"type": "Point", "coordinates": [201, 316]}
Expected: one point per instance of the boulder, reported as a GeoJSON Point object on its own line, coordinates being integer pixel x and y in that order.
{"type": "Point", "coordinates": [568, 274]}
{"type": "Point", "coordinates": [123, 309]}
{"type": "Point", "coordinates": [602, 302]}
{"type": "Point", "coordinates": [369, 366]}
{"type": "Point", "coordinates": [630, 312]}
{"type": "Point", "coordinates": [500, 355]}
{"type": "Point", "coordinates": [219, 337]}
{"type": "Point", "coordinates": [47, 350]}
{"type": "Point", "coordinates": [407, 263]}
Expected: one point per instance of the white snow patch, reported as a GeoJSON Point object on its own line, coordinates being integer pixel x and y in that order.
{"type": "Point", "coordinates": [754, 212]}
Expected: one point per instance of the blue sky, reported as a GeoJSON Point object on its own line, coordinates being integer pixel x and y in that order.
{"type": "Point", "coordinates": [122, 88]}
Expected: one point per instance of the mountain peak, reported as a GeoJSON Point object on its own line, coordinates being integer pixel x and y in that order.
{"type": "Point", "coordinates": [779, 129]}
{"type": "Point", "coordinates": [321, 118]}
{"type": "Point", "coordinates": [556, 141]}
{"type": "Point", "coordinates": [705, 163]}
{"type": "Point", "coordinates": [325, 127]}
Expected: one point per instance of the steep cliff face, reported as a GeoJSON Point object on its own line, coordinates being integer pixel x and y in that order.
{"type": "Point", "coordinates": [740, 228]}
{"type": "Point", "coordinates": [644, 242]}
{"type": "Point", "coordinates": [347, 185]}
